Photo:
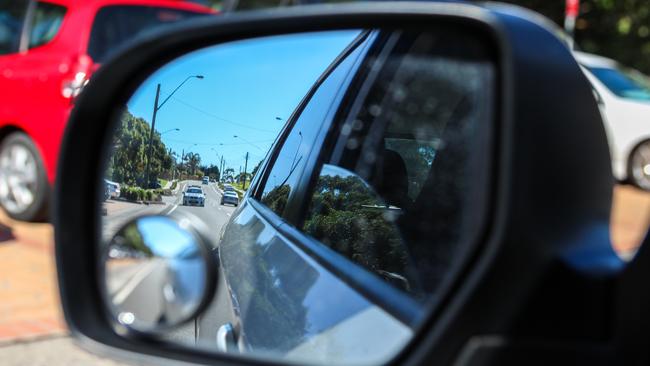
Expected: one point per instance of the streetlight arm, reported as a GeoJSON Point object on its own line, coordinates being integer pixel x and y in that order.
{"type": "Point", "coordinates": [178, 87]}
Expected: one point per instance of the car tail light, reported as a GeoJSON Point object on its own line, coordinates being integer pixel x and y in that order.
{"type": "Point", "coordinates": [77, 77]}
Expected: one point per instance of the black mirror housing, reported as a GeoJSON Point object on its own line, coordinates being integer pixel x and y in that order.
{"type": "Point", "coordinates": [549, 197]}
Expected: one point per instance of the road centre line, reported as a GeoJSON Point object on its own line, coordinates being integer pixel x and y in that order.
{"type": "Point", "coordinates": [172, 210]}
{"type": "Point", "coordinates": [133, 282]}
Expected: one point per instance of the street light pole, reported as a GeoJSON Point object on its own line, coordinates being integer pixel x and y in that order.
{"type": "Point", "coordinates": [157, 107]}
{"type": "Point", "coordinates": [153, 128]}
{"type": "Point", "coordinates": [245, 167]}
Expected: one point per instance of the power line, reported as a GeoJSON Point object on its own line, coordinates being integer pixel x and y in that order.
{"type": "Point", "coordinates": [220, 118]}
{"type": "Point", "coordinates": [216, 143]}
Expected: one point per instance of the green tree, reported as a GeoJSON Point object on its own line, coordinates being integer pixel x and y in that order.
{"type": "Point", "coordinates": [193, 161]}
{"type": "Point", "coordinates": [212, 171]}
{"type": "Point", "coordinates": [349, 217]}
{"type": "Point", "coordinates": [130, 142]}
{"type": "Point", "coordinates": [613, 28]}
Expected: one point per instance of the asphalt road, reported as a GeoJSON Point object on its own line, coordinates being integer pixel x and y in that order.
{"type": "Point", "coordinates": [137, 286]}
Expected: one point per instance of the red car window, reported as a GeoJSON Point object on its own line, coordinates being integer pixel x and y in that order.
{"type": "Point", "coordinates": [12, 18]}
{"type": "Point", "coordinates": [117, 24]}
{"type": "Point", "coordinates": [47, 22]}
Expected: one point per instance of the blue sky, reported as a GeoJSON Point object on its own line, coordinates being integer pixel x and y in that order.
{"type": "Point", "coordinates": [246, 85]}
{"type": "Point", "coordinates": [163, 236]}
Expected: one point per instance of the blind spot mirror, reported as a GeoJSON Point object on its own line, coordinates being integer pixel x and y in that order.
{"type": "Point", "coordinates": [157, 273]}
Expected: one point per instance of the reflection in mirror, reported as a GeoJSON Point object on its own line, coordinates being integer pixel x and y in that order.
{"type": "Point", "coordinates": [155, 273]}
{"type": "Point", "coordinates": [378, 175]}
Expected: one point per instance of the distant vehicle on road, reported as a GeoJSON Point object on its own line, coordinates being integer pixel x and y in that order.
{"type": "Point", "coordinates": [228, 188]}
{"type": "Point", "coordinates": [193, 196]}
{"type": "Point", "coordinates": [48, 52]}
{"type": "Point", "coordinates": [206, 180]}
{"type": "Point", "coordinates": [624, 100]}
{"type": "Point", "coordinates": [230, 197]}
{"type": "Point", "coordinates": [112, 188]}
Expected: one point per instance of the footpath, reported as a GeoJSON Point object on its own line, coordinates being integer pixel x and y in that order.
{"type": "Point", "coordinates": [32, 329]}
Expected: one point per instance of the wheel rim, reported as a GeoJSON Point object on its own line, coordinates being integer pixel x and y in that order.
{"type": "Point", "coordinates": [641, 166]}
{"type": "Point", "coordinates": [18, 173]}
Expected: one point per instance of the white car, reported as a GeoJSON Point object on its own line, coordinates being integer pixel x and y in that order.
{"type": "Point", "coordinates": [113, 189]}
{"type": "Point", "coordinates": [624, 98]}
{"type": "Point", "coordinates": [230, 198]}
{"type": "Point", "coordinates": [193, 196]}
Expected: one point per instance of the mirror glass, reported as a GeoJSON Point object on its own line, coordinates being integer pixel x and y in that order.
{"type": "Point", "coordinates": [155, 273]}
{"type": "Point", "coordinates": [341, 176]}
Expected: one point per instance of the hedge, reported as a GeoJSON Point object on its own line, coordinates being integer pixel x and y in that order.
{"type": "Point", "coordinates": [140, 194]}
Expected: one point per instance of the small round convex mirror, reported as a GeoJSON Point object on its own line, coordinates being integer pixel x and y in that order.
{"type": "Point", "coordinates": [157, 273]}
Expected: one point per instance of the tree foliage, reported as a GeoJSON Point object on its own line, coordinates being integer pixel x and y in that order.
{"type": "Point", "coordinates": [349, 217]}
{"type": "Point", "coordinates": [130, 142]}
{"type": "Point", "coordinates": [613, 28]}
{"type": "Point", "coordinates": [193, 160]}
{"type": "Point", "coordinates": [211, 171]}
{"type": "Point", "coordinates": [619, 29]}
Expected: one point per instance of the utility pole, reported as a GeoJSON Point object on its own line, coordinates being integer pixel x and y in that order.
{"type": "Point", "coordinates": [245, 167]}
{"type": "Point", "coordinates": [182, 164]}
{"type": "Point", "coordinates": [156, 107]}
{"type": "Point", "coordinates": [221, 176]}
{"type": "Point", "coordinates": [153, 128]}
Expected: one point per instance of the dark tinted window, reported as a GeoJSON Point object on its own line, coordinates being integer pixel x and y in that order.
{"type": "Point", "coordinates": [12, 18]}
{"type": "Point", "coordinates": [115, 25]}
{"type": "Point", "coordinates": [289, 162]}
{"type": "Point", "coordinates": [400, 201]}
{"type": "Point", "coordinates": [47, 22]}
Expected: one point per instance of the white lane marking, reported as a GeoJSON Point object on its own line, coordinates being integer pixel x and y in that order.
{"type": "Point", "coordinates": [172, 210]}
{"type": "Point", "coordinates": [133, 283]}
{"type": "Point", "coordinates": [215, 190]}
{"type": "Point", "coordinates": [228, 214]}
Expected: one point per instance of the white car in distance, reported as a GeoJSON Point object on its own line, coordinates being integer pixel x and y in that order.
{"type": "Point", "coordinates": [193, 196]}
{"type": "Point", "coordinates": [112, 188]}
{"type": "Point", "coordinates": [623, 95]}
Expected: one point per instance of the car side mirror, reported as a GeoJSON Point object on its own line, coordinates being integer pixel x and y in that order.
{"type": "Point", "coordinates": [459, 278]}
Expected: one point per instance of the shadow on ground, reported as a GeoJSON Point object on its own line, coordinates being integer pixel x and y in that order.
{"type": "Point", "coordinates": [5, 234]}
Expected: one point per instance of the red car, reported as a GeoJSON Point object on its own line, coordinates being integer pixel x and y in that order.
{"type": "Point", "coordinates": [48, 51]}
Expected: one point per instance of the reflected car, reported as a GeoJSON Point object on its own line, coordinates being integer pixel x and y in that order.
{"type": "Point", "coordinates": [194, 196]}
{"type": "Point", "coordinates": [321, 248]}
{"type": "Point", "coordinates": [48, 52]}
{"type": "Point", "coordinates": [624, 98]}
{"type": "Point", "coordinates": [113, 188]}
{"type": "Point", "coordinates": [230, 197]}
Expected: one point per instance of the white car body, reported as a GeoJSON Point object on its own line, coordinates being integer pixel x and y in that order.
{"type": "Point", "coordinates": [113, 188]}
{"type": "Point", "coordinates": [193, 196]}
{"type": "Point", "coordinates": [627, 119]}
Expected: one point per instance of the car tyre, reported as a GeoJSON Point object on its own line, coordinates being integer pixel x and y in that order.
{"type": "Point", "coordinates": [639, 166]}
{"type": "Point", "coordinates": [24, 188]}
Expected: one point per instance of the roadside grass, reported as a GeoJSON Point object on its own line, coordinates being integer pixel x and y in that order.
{"type": "Point", "coordinates": [163, 182]}
{"type": "Point", "coordinates": [240, 186]}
